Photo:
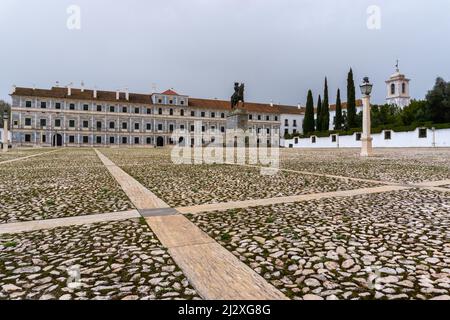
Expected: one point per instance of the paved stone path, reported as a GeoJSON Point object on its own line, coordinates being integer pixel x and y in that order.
{"type": "Point", "coordinates": [27, 157]}
{"type": "Point", "coordinates": [213, 271]}
{"type": "Point", "coordinates": [291, 199]}
{"type": "Point", "coordinates": [141, 197]}
{"type": "Point", "coordinates": [10, 228]}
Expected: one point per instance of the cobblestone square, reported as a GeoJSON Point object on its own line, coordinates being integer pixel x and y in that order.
{"type": "Point", "coordinates": [128, 223]}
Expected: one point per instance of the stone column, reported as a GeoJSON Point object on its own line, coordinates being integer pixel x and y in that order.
{"type": "Point", "coordinates": [5, 134]}
{"type": "Point", "coordinates": [366, 149]}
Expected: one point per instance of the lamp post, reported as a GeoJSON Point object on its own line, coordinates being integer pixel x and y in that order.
{"type": "Point", "coordinates": [366, 90]}
{"type": "Point", "coordinates": [5, 131]}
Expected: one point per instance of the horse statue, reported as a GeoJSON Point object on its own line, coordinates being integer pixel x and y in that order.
{"type": "Point", "coordinates": [238, 94]}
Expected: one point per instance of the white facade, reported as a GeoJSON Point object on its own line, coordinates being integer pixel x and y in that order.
{"type": "Point", "coordinates": [419, 138]}
{"type": "Point", "coordinates": [333, 115]}
{"type": "Point", "coordinates": [291, 123]}
{"type": "Point", "coordinates": [398, 90]}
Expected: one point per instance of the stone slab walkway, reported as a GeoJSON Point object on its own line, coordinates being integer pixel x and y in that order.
{"type": "Point", "coordinates": [27, 157]}
{"type": "Point", "coordinates": [10, 228]}
{"type": "Point", "coordinates": [290, 199]}
{"type": "Point", "coordinates": [213, 271]}
{"type": "Point", "coordinates": [141, 197]}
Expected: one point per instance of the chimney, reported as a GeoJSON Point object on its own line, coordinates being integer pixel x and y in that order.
{"type": "Point", "coordinates": [34, 86]}
{"type": "Point", "coordinates": [271, 103]}
{"type": "Point", "coordinates": [82, 86]}
{"type": "Point", "coordinates": [299, 106]}
{"type": "Point", "coordinates": [95, 92]}
{"type": "Point", "coordinates": [13, 88]}
{"type": "Point", "coordinates": [57, 84]}
{"type": "Point", "coordinates": [69, 89]}
{"type": "Point", "coordinates": [117, 94]}
{"type": "Point", "coordinates": [127, 94]}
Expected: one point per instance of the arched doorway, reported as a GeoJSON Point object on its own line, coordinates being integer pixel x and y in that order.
{"type": "Point", "coordinates": [57, 140]}
{"type": "Point", "coordinates": [181, 141]}
{"type": "Point", "coordinates": [160, 142]}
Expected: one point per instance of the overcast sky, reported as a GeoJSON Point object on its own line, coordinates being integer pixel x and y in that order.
{"type": "Point", "coordinates": [279, 48]}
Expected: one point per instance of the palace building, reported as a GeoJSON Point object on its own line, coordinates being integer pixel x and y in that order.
{"type": "Point", "coordinates": [81, 117]}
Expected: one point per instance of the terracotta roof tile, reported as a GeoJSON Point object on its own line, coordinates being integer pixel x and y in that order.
{"type": "Point", "coordinates": [170, 92]}
{"type": "Point", "coordinates": [110, 96]}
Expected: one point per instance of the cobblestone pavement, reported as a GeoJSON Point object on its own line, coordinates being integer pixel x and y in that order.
{"type": "Point", "coordinates": [185, 185]}
{"type": "Point", "coordinates": [389, 245]}
{"type": "Point", "coordinates": [116, 260]}
{"type": "Point", "coordinates": [20, 153]}
{"type": "Point", "coordinates": [65, 183]}
{"type": "Point", "coordinates": [381, 246]}
{"type": "Point", "coordinates": [395, 165]}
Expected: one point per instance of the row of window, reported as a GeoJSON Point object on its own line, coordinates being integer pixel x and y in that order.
{"type": "Point", "coordinates": [423, 132]}
{"type": "Point", "coordinates": [286, 123]}
{"type": "Point", "coordinates": [124, 126]}
{"type": "Point", "coordinates": [112, 125]}
{"type": "Point", "coordinates": [137, 110]}
{"type": "Point", "coordinates": [98, 139]}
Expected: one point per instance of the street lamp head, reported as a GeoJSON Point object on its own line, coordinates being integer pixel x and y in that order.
{"type": "Point", "coordinates": [366, 87]}
{"type": "Point", "coordinates": [5, 115]}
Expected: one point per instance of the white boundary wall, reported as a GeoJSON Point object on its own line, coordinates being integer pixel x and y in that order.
{"type": "Point", "coordinates": [409, 139]}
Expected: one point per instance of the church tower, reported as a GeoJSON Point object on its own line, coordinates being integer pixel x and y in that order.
{"type": "Point", "coordinates": [398, 89]}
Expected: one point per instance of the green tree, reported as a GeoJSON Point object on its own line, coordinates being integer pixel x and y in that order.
{"type": "Point", "coordinates": [308, 121]}
{"type": "Point", "coordinates": [338, 120]}
{"type": "Point", "coordinates": [438, 100]}
{"type": "Point", "coordinates": [417, 112]}
{"type": "Point", "coordinates": [319, 114]}
{"type": "Point", "coordinates": [325, 110]}
{"type": "Point", "coordinates": [385, 115]}
{"type": "Point", "coordinates": [4, 107]}
{"type": "Point", "coordinates": [351, 101]}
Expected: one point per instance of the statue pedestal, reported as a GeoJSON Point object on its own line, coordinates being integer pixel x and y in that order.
{"type": "Point", "coordinates": [238, 118]}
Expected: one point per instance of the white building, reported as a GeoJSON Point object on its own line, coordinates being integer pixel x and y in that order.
{"type": "Point", "coordinates": [398, 89]}
{"type": "Point", "coordinates": [291, 120]}
{"type": "Point", "coordinates": [82, 117]}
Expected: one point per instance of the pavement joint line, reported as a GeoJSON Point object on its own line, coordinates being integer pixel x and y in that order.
{"type": "Point", "coordinates": [158, 212]}
{"type": "Point", "coordinates": [27, 226]}
{"type": "Point", "coordinates": [437, 189]}
{"type": "Point", "coordinates": [289, 199]}
{"type": "Point", "coordinates": [212, 270]}
{"type": "Point", "coordinates": [28, 157]}
{"type": "Point", "coordinates": [141, 197]}
{"type": "Point", "coordinates": [311, 173]}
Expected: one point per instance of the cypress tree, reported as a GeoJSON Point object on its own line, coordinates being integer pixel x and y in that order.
{"type": "Point", "coordinates": [325, 116]}
{"type": "Point", "coordinates": [338, 122]}
{"type": "Point", "coordinates": [319, 114]}
{"type": "Point", "coordinates": [308, 121]}
{"type": "Point", "coordinates": [351, 101]}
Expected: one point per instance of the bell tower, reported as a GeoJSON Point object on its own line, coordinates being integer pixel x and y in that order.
{"type": "Point", "coordinates": [398, 89]}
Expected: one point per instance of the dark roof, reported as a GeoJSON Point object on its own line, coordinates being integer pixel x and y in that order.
{"type": "Point", "coordinates": [250, 106]}
{"type": "Point", "coordinates": [77, 94]}
{"type": "Point", "coordinates": [110, 96]}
